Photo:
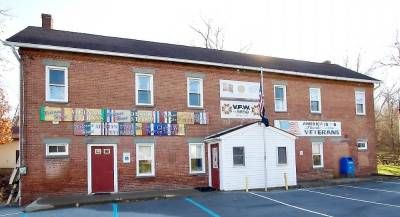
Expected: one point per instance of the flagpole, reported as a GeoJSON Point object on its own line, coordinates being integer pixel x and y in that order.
{"type": "Point", "coordinates": [262, 124]}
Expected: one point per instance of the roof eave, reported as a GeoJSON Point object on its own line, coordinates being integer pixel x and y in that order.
{"type": "Point", "coordinates": [147, 57]}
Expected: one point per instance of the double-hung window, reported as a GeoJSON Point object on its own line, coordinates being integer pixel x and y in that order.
{"type": "Point", "coordinates": [238, 156]}
{"type": "Point", "coordinates": [57, 149]}
{"type": "Point", "coordinates": [197, 157]}
{"type": "Point", "coordinates": [195, 92]}
{"type": "Point", "coordinates": [360, 102]}
{"type": "Point", "coordinates": [280, 98]}
{"type": "Point", "coordinates": [144, 89]}
{"type": "Point", "coordinates": [315, 100]}
{"type": "Point", "coordinates": [282, 155]}
{"type": "Point", "coordinates": [145, 159]}
{"type": "Point", "coordinates": [318, 154]}
{"type": "Point", "coordinates": [56, 84]}
{"type": "Point", "coordinates": [362, 144]}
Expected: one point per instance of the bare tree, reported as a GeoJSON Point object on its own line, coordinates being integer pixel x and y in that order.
{"type": "Point", "coordinates": [212, 36]}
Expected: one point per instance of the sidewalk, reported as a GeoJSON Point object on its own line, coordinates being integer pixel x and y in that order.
{"type": "Point", "coordinates": [77, 200]}
{"type": "Point", "coordinates": [341, 181]}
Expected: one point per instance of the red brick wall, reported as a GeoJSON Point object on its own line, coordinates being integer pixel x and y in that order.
{"type": "Point", "coordinates": [108, 82]}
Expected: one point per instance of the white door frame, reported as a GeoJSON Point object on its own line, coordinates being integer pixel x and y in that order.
{"type": "Point", "coordinates": [89, 166]}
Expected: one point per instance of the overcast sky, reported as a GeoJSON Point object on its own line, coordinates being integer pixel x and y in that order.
{"type": "Point", "coordinates": [313, 30]}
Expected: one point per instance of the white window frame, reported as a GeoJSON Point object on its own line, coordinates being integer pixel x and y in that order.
{"type": "Point", "coordinates": [244, 157]}
{"type": "Point", "coordinates": [277, 155]}
{"type": "Point", "coordinates": [365, 144]}
{"type": "Point", "coordinates": [153, 162]}
{"type": "Point", "coordinates": [48, 96]}
{"type": "Point", "coordinates": [321, 145]}
{"type": "Point", "coordinates": [48, 153]}
{"type": "Point", "coordinates": [364, 107]}
{"type": "Point", "coordinates": [137, 89]}
{"type": "Point", "coordinates": [284, 98]}
{"type": "Point", "coordinates": [188, 92]}
{"type": "Point", "coordinates": [203, 155]}
{"type": "Point", "coordinates": [319, 100]}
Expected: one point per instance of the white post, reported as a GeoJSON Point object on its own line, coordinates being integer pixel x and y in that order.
{"type": "Point", "coordinates": [265, 145]}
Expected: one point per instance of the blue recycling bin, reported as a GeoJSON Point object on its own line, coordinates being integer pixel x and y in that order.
{"type": "Point", "coordinates": [347, 166]}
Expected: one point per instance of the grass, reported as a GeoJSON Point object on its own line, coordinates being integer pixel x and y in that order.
{"type": "Point", "coordinates": [390, 170]}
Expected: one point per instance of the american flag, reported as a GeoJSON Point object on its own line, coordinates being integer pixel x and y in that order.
{"type": "Point", "coordinates": [261, 106]}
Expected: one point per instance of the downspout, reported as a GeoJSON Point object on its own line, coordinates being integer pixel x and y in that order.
{"type": "Point", "coordinates": [21, 111]}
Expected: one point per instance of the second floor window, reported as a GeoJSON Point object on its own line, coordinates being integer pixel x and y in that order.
{"type": "Point", "coordinates": [56, 84]}
{"type": "Point", "coordinates": [280, 98]}
{"type": "Point", "coordinates": [360, 102]}
{"type": "Point", "coordinates": [144, 89]}
{"type": "Point", "coordinates": [315, 100]}
{"type": "Point", "coordinates": [195, 92]}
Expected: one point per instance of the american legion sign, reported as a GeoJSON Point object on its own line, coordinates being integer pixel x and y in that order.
{"type": "Point", "coordinates": [310, 128]}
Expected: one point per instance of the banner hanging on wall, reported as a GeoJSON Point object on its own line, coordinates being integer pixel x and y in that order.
{"type": "Point", "coordinates": [239, 89]}
{"type": "Point", "coordinates": [310, 128]}
{"type": "Point", "coordinates": [239, 109]}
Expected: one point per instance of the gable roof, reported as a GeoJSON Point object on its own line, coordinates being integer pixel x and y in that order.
{"type": "Point", "coordinates": [41, 38]}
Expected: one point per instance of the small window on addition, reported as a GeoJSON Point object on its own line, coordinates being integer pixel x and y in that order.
{"type": "Point", "coordinates": [56, 149]}
{"type": "Point", "coordinates": [362, 144]}
{"type": "Point", "coordinates": [282, 156]}
{"type": "Point", "coordinates": [238, 156]}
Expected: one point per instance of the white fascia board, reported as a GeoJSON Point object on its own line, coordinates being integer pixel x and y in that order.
{"type": "Point", "coordinates": [168, 59]}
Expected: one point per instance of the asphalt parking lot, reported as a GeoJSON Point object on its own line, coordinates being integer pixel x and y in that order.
{"type": "Point", "coordinates": [372, 198]}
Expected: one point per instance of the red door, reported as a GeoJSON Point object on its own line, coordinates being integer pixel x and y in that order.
{"type": "Point", "coordinates": [102, 169]}
{"type": "Point", "coordinates": [214, 166]}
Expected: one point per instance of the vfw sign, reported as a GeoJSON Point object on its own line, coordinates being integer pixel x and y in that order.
{"type": "Point", "coordinates": [239, 109]}
{"type": "Point", "coordinates": [310, 128]}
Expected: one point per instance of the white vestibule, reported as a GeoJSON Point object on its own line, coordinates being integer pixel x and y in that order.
{"type": "Point", "coordinates": [254, 141]}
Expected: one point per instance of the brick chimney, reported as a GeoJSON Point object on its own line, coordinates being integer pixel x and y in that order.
{"type": "Point", "coordinates": [47, 21]}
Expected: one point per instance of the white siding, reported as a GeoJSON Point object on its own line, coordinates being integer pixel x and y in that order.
{"type": "Point", "coordinates": [251, 137]}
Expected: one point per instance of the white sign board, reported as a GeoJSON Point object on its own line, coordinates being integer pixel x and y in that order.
{"type": "Point", "coordinates": [126, 157]}
{"type": "Point", "coordinates": [239, 109]}
{"type": "Point", "coordinates": [310, 128]}
{"type": "Point", "coordinates": [239, 89]}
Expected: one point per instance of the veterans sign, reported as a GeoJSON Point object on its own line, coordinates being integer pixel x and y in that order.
{"type": "Point", "coordinates": [239, 109]}
{"type": "Point", "coordinates": [310, 128]}
{"type": "Point", "coordinates": [239, 89]}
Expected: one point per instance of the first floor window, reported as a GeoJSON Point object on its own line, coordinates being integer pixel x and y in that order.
{"type": "Point", "coordinates": [362, 144]}
{"type": "Point", "coordinates": [238, 156]}
{"type": "Point", "coordinates": [56, 149]}
{"type": "Point", "coordinates": [56, 84]}
{"type": "Point", "coordinates": [145, 159]}
{"type": "Point", "coordinates": [317, 154]}
{"type": "Point", "coordinates": [280, 98]}
{"type": "Point", "coordinates": [360, 102]}
{"type": "Point", "coordinates": [195, 92]}
{"type": "Point", "coordinates": [282, 156]}
{"type": "Point", "coordinates": [196, 152]}
{"type": "Point", "coordinates": [144, 89]}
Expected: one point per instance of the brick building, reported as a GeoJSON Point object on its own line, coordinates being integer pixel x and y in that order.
{"type": "Point", "coordinates": [141, 111]}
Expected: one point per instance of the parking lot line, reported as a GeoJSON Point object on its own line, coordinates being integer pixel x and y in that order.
{"type": "Point", "coordinates": [115, 209]}
{"type": "Point", "coordinates": [202, 207]}
{"type": "Point", "coordinates": [289, 205]}
{"type": "Point", "coordinates": [370, 189]}
{"type": "Point", "coordinates": [353, 199]}
{"type": "Point", "coordinates": [396, 183]}
{"type": "Point", "coordinates": [10, 214]}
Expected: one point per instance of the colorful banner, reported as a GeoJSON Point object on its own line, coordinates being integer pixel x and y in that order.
{"type": "Point", "coordinates": [310, 128]}
{"type": "Point", "coordinates": [239, 109]}
{"type": "Point", "coordinates": [239, 89]}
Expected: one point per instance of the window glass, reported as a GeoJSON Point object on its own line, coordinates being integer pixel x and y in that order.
{"type": "Point", "coordinates": [144, 82]}
{"type": "Point", "coordinates": [144, 96]}
{"type": "Point", "coordinates": [194, 86]}
{"type": "Point", "coordinates": [362, 144]}
{"type": "Point", "coordinates": [238, 156]}
{"type": "Point", "coordinates": [317, 154]}
{"type": "Point", "coordinates": [196, 158]}
{"type": "Point", "coordinates": [57, 92]}
{"type": "Point", "coordinates": [56, 149]}
{"type": "Point", "coordinates": [360, 102]}
{"type": "Point", "coordinates": [56, 84]}
{"type": "Point", "coordinates": [315, 99]}
{"type": "Point", "coordinates": [57, 77]}
{"type": "Point", "coordinates": [144, 89]}
{"type": "Point", "coordinates": [145, 154]}
{"type": "Point", "coordinates": [195, 92]}
{"type": "Point", "coordinates": [282, 157]}
{"type": "Point", "coordinates": [280, 97]}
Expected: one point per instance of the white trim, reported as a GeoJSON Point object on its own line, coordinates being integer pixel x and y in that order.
{"type": "Point", "coordinates": [321, 150]}
{"type": "Point", "coordinates": [89, 168]}
{"type": "Point", "coordinates": [277, 155]}
{"type": "Point", "coordinates": [365, 144]}
{"type": "Point", "coordinates": [284, 97]}
{"type": "Point", "coordinates": [153, 160]}
{"type": "Point", "coordinates": [203, 155]}
{"type": "Point", "coordinates": [319, 100]}
{"type": "Point", "coordinates": [188, 92]}
{"type": "Point", "coordinates": [137, 89]}
{"type": "Point", "coordinates": [209, 164]}
{"type": "Point", "coordinates": [47, 88]}
{"type": "Point", "coordinates": [364, 107]}
{"type": "Point", "coordinates": [57, 153]}
{"type": "Point", "coordinates": [109, 53]}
